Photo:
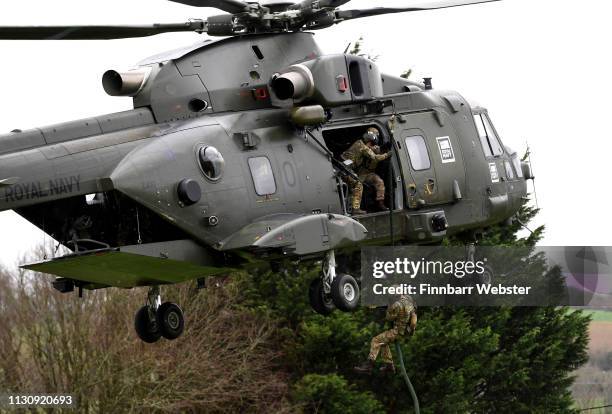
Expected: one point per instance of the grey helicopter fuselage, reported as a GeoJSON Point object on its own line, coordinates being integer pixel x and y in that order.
{"type": "Point", "coordinates": [140, 181]}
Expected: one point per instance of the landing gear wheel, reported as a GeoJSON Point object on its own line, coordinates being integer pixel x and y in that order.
{"type": "Point", "coordinates": [319, 300]}
{"type": "Point", "coordinates": [486, 276]}
{"type": "Point", "coordinates": [170, 320]}
{"type": "Point", "coordinates": [345, 292]}
{"type": "Point", "coordinates": [146, 327]}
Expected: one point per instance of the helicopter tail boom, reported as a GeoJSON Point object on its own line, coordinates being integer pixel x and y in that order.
{"type": "Point", "coordinates": [65, 160]}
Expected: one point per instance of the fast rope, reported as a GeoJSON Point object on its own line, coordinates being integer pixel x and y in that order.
{"type": "Point", "coordinates": [415, 400]}
{"type": "Point", "coordinates": [138, 227]}
{"type": "Point", "coordinates": [391, 185]}
{"type": "Point", "coordinates": [596, 408]}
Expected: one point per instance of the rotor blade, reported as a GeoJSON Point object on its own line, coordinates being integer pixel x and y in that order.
{"type": "Point", "coordinates": [95, 32]}
{"type": "Point", "coordinates": [359, 13]}
{"type": "Point", "coordinates": [230, 6]}
{"type": "Point", "coordinates": [307, 4]}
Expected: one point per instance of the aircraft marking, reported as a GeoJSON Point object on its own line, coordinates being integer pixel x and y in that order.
{"type": "Point", "coordinates": [38, 189]}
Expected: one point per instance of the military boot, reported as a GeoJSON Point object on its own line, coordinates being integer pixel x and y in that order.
{"type": "Point", "coordinates": [387, 368]}
{"type": "Point", "coordinates": [380, 206]}
{"type": "Point", "coordinates": [366, 368]}
{"type": "Point", "coordinates": [357, 211]}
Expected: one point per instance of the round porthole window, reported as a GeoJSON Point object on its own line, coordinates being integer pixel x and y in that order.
{"type": "Point", "coordinates": [211, 162]}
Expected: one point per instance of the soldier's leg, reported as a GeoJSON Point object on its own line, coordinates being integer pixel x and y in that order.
{"type": "Point", "coordinates": [379, 342]}
{"type": "Point", "coordinates": [375, 181]}
{"type": "Point", "coordinates": [375, 345]}
{"type": "Point", "coordinates": [357, 189]}
{"type": "Point", "coordinates": [382, 341]}
{"type": "Point", "coordinates": [350, 183]}
{"type": "Point", "coordinates": [392, 336]}
{"type": "Point", "coordinates": [385, 355]}
{"type": "Point", "coordinates": [387, 360]}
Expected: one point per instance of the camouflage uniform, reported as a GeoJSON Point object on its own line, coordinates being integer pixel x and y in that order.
{"type": "Point", "coordinates": [403, 315]}
{"type": "Point", "coordinates": [367, 175]}
{"type": "Point", "coordinates": [363, 158]}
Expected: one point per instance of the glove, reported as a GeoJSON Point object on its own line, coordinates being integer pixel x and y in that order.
{"type": "Point", "coordinates": [386, 147]}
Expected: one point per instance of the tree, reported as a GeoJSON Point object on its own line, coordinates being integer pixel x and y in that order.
{"type": "Point", "coordinates": [357, 50]}
{"type": "Point", "coordinates": [406, 74]}
{"type": "Point", "coordinates": [226, 362]}
{"type": "Point", "coordinates": [504, 360]}
{"type": "Point", "coordinates": [332, 393]}
{"type": "Point", "coordinates": [254, 345]}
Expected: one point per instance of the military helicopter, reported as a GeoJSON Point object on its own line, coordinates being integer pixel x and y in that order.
{"type": "Point", "coordinates": [231, 158]}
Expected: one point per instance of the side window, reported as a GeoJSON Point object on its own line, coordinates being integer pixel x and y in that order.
{"type": "Point", "coordinates": [417, 152]}
{"type": "Point", "coordinates": [488, 137]}
{"type": "Point", "coordinates": [211, 162]}
{"type": "Point", "coordinates": [263, 177]}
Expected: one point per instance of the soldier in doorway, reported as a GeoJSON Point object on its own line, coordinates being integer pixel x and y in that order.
{"type": "Point", "coordinates": [364, 158]}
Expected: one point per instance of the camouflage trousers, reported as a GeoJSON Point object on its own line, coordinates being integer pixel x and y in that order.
{"type": "Point", "coordinates": [357, 188]}
{"type": "Point", "coordinates": [381, 343]}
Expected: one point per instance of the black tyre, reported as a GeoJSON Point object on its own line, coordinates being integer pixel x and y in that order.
{"type": "Point", "coordinates": [320, 302]}
{"type": "Point", "coordinates": [486, 277]}
{"type": "Point", "coordinates": [170, 320]}
{"type": "Point", "coordinates": [345, 292]}
{"type": "Point", "coordinates": [146, 328]}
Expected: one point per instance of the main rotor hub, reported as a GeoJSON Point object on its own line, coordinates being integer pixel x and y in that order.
{"type": "Point", "coordinates": [241, 18]}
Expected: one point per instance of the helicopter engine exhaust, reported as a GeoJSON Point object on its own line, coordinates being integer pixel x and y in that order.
{"type": "Point", "coordinates": [124, 83]}
{"type": "Point", "coordinates": [297, 83]}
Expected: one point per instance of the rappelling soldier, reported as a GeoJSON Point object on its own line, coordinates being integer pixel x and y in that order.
{"type": "Point", "coordinates": [402, 314]}
{"type": "Point", "coordinates": [364, 158]}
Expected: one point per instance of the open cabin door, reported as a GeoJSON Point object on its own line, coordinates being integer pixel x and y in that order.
{"type": "Point", "coordinates": [431, 159]}
{"type": "Point", "coordinates": [339, 138]}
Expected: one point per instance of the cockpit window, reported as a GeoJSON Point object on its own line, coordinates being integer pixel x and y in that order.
{"type": "Point", "coordinates": [488, 138]}
{"type": "Point", "coordinates": [509, 172]}
{"type": "Point", "coordinates": [517, 166]}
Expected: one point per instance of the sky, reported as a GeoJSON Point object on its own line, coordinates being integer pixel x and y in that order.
{"type": "Point", "coordinates": [541, 67]}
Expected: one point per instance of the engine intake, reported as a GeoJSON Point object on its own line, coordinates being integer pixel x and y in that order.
{"type": "Point", "coordinates": [297, 84]}
{"type": "Point", "coordinates": [329, 81]}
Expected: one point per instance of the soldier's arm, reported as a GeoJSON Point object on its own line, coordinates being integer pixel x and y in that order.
{"type": "Point", "coordinates": [392, 313]}
{"type": "Point", "coordinates": [413, 321]}
{"type": "Point", "coordinates": [369, 153]}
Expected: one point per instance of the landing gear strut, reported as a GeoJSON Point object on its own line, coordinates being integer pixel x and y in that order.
{"type": "Point", "coordinates": [333, 290]}
{"type": "Point", "coordinates": [157, 319]}
{"type": "Point", "coordinates": [486, 276]}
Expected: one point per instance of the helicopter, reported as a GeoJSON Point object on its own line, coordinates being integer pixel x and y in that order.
{"type": "Point", "coordinates": [232, 159]}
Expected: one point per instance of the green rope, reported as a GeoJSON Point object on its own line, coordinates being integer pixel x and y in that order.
{"type": "Point", "coordinates": [415, 400]}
